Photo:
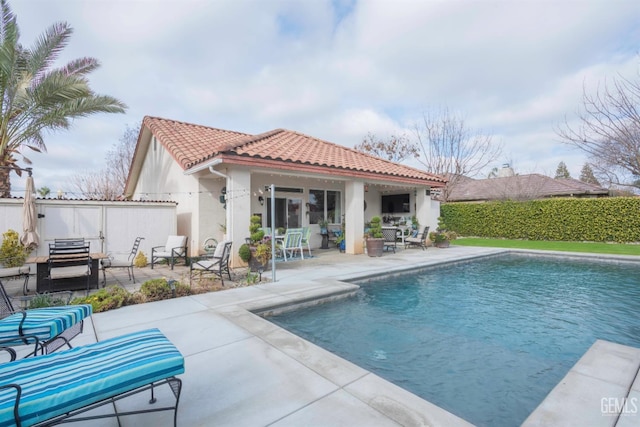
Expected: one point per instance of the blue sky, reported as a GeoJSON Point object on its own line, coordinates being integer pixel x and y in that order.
{"type": "Point", "coordinates": [339, 69]}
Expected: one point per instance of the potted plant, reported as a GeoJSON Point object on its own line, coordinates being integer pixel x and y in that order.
{"type": "Point", "coordinates": [442, 238]}
{"type": "Point", "coordinates": [257, 251]}
{"type": "Point", "coordinates": [374, 238]}
{"type": "Point", "coordinates": [340, 242]}
{"type": "Point", "coordinates": [323, 224]}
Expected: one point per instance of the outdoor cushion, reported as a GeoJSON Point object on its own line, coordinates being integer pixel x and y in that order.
{"type": "Point", "coordinates": [219, 249]}
{"type": "Point", "coordinates": [70, 271]}
{"type": "Point", "coordinates": [44, 323]}
{"type": "Point", "coordinates": [14, 271]}
{"type": "Point", "coordinates": [175, 242]}
{"type": "Point", "coordinates": [115, 262]}
{"type": "Point", "coordinates": [61, 382]}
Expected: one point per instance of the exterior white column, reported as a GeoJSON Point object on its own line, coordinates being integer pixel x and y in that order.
{"type": "Point", "coordinates": [354, 216]}
{"type": "Point", "coordinates": [424, 209]}
{"type": "Point", "coordinates": [238, 211]}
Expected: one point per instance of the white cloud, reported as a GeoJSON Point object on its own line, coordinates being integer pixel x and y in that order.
{"type": "Point", "coordinates": [338, 70]}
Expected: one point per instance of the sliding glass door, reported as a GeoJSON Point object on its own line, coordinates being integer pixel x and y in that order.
{"type": "Point", "coordinates": [288, 213]}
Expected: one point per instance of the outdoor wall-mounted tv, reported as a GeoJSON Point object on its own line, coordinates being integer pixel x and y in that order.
{"type": "Point", "coordinates": [396, 203]}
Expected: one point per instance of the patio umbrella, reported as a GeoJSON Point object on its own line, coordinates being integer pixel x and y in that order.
{"type": "Point", "coordinates": [29, 237]}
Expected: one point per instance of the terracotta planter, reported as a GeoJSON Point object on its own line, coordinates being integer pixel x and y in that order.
{"type": "Point", "coordinates": [443, 245]}
{"type": "Point", "coordinates": [375, 247]}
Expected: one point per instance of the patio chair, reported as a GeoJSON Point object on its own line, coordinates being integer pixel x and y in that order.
{"type": "Point", "coordinates": [390, 238]}
{"type": "Point", "coordinates": [70, 241]}
{"type": "Point", "coordinates": [218, 264]}
{"type": "Point", "coordinates": [174, 249]}
{"type": "Point", "coordinates": [419, 240]}
{"type": "Point", "coordinates": [64, 386]}
{"type": "Point", "coordinates": [291, 244]}
{"type": "Point", "coordinates": [47, 329]}
{"type": "Point", "coordinates": [122, 263]}
{"type": "Point", "coordinates": [68, 261]}
{"type": "Point", "coordinates": [21, 272]}
{"type": "Point", "coordinates": [306, 238]}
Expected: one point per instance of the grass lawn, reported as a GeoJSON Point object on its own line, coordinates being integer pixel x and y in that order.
{"type": "Point", "coordinates": [590, 247]}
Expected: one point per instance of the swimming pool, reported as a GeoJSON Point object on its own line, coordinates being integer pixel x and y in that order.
{"type": "Point", "coordinates": [487, 339]}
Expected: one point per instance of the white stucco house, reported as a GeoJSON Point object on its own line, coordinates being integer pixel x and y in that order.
{"type": "Point", "coordinates": [219, 178]}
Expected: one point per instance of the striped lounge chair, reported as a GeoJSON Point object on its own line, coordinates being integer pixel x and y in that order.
{"type": "Point", "coordinates": [47, 329]}
{"type": "Point", "coordinates": [62, 386]}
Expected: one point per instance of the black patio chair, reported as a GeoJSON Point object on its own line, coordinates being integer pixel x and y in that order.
{"type": "Point", "coordinates": [21, 272]}
{"type": "Point", "coordinates": [122, 263]}
{"type": "Point", "coordinates": [420, 240]}
{"type": "Point", "coordinates": [68, 261]}
{"type": "Point", "coordinates": [390, 238]}
{"type": "Point", "coordinates": [217, 265]}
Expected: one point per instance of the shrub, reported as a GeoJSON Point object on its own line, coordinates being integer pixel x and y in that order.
{"type": "Point", "coordinates": [105, 299]}
{"type": "Point", "coordinates": [375, 230]}
{"type": "Point", "coordinates": [12, 252]}
{"type": "Point", "coordinates": [610, 219]}
{"type": "Point", "coordinates": [47, 300]}
{"type": "Point", "coordinates": [244, 252]}
{"type": "Point", "coordinates": [156, 290]}
{"type": "Point", "coordinates": [159, 289]}
{"type": "Point", "coordinates": [140, 260]}
{"type": "Point", "coordinates": [254, 229]}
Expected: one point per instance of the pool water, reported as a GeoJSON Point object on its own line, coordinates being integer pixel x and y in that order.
{"type": "Point", "coordinates": [487, 340]}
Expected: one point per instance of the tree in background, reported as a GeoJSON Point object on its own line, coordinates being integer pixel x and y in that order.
{"type": "Point", "coordinates": [586, 175]}
{"type": "Point", "coordinates": [395, 149]}
{"type": "Point", "coordinates": [36, 97]}
{"type": "Point", "coordinates": [44, 191]}
{"type": "Point", "coordinates": [448, 147]}
{"type": "Point", "coordinates": [109, 183]}
{"type": "Point", "coordinates": [609, 131]}
{"type": "Point", "coordinates": [562, 171]}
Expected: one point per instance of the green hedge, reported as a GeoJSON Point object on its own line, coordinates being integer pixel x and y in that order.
{"type": "Point", "coordinates": [610, 219]}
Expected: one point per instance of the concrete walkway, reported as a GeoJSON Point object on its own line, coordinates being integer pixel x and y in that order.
{"type": "Point", "coordinates": [242, 370]}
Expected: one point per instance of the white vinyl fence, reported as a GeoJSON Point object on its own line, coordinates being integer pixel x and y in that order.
{"type": "Point", "coordinates": [110, 226]}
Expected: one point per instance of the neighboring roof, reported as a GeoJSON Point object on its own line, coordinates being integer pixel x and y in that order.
{"type": "Point", "coordinates": [194, 145]}
{"type": "Point", "coordinates": [520, 187]}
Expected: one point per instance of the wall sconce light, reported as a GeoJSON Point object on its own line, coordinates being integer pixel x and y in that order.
{"type": "Point", "coordinates": [261, 200]}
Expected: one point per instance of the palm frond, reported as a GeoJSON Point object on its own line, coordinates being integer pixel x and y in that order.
{"type": "Point", "coordinates": [47, 48]}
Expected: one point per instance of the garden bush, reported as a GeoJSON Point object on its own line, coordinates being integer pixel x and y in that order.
{"type": "Point", "coordinates": [614, 219]}
{"type": "Point", "coordinates": [12, 252]}
{"type": "Point", "coordinates": [159, 289]}
{"type": "Point", "coordinates": [105, 299]}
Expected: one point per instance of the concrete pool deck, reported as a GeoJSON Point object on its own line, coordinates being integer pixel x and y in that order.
{"type": "Point", "coordinates": [242, 370]}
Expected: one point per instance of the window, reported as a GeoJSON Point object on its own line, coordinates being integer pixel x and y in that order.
{"type": "Point", "coordinates": [324, 204]}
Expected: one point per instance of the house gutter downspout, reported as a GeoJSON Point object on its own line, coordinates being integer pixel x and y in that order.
{"type": "Point", "coordinates": [215, 163]}
{"type": "Point", "coordinates": [228, 216]}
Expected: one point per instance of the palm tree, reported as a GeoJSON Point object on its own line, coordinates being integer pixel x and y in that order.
{"type": "Point", "coordinates": [36, 97]}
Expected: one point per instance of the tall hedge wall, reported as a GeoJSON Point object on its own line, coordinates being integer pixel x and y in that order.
{"type": "Point", "coordinates": [609, 219]}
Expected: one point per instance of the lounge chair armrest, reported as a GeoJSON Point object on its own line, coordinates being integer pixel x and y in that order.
{"type": "Point", "coordinates": [26, 339]}
{"type": "Point", "coordinates": [12, 353]}
{"type": "Point", "coordinates": [16, 405]}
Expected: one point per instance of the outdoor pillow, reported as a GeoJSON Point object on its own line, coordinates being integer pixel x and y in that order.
{"type": "Point", "coordinates": [219, 249]}
{"type": "Point", "coordinates": [175, 242]}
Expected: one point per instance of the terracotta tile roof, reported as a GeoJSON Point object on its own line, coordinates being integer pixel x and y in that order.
{"type": "Point", "coordinates": [521, 187]}
{"type": "Point", "coordinates": [192, 145]}
{"type": "Point", "coordinates": [187, 142]}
